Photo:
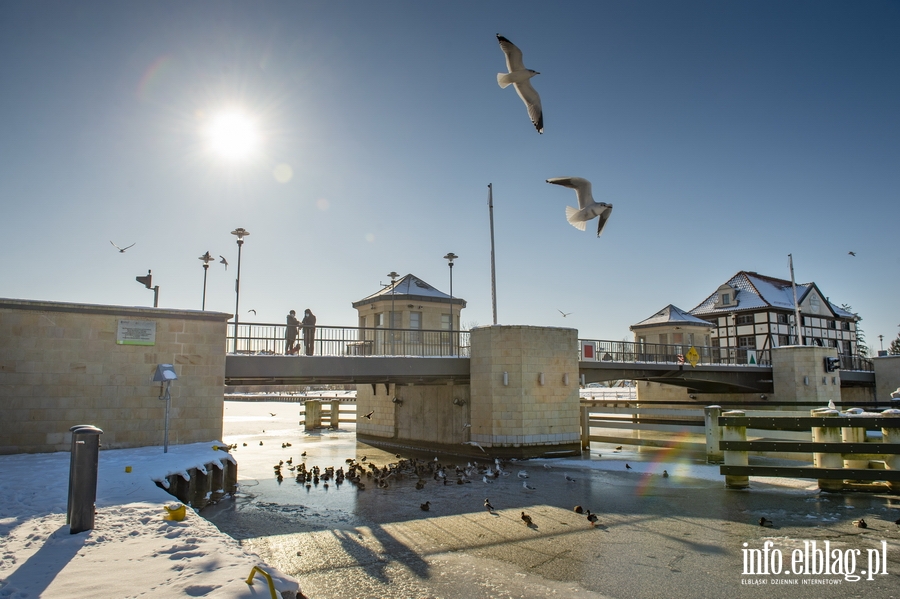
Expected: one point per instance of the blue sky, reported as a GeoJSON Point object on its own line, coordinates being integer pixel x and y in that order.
{"type": "Point", "coordinates": [726, 135]}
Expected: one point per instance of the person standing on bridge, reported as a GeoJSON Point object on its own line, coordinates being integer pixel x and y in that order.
{"type": "Point", "coordinates": [309, 331]}
{"type": "Point", "coordinates": [290, 334]}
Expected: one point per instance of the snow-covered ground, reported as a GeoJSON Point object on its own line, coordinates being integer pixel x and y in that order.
{"type": "Point", "coordinates": [132, 550]}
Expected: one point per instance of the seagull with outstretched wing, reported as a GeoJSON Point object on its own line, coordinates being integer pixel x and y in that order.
{"type": "Point", "coordinates": [587, 207]}
{"type": "Point", "coordinates": [564, 314]}
{"type": "Point", "coordinates": [518, 76]}
{"type": "Point", "coordinates": [121, 250]}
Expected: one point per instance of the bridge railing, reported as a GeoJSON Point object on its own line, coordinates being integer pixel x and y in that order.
{"type": "Point", "coordinates": [656, 353]}
{"type": "Point", "coordinates": [270, 339]}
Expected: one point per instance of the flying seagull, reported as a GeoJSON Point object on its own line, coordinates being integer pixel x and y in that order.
{"type": "Point", "coordinates": [519, 77]}
{"type": "Point", "coordinates": [252, 310]}
{"type": "Point", "coordinates": [852, 253]}
{"type": "Point", "coordinates": [564, 314]}
{"type": "Point", "coordinates": [121, 250]}
{"type": "Point", "coordinates": [223, 261]}
{"type": "Point", "coordinates": [587, 207]}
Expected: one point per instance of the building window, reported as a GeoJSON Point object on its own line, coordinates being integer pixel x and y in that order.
{"type": "Point", "coordinates": [379, 319]}
{"type": "Point", "coordinates": [445, 322]}
{"type": "Point", "coordinates": [745, 319]}
{"type": "Point", "coordinates": [845, 326]}
{"type": "Point", "coordinates": [678, 338]}
{"type": "Point", "coordinates": [832, 324]}
{"type": "Point", "coordinates": [783, 319]}
{"type": "Point", "coordinates": [747, 342]}
{"type": "Point", "coordinates": [415, 325]}
{"type": "Point", "coordinates": [690, 338]}
{"type": "Point", "coordinates": [726, 299]}
{"type": "Point", "coordinates": [663, 338]}
{"type": "Point", "coordinates": [783, 340]}
{"type": "Point", "coordinates": [847, 348]}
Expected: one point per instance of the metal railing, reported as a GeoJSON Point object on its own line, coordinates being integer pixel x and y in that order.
{"type": "Point", "coordinates": [270, 339]}
{"type": "Point", "coordinates": [657, 353]}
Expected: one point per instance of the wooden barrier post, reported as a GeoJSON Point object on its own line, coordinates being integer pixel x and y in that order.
{"type": "Point", "coordinates": [827, 434]}
{"type": "Point", "coordinates": [735, 458]}
{"type": "Point", "coordinates": [854, 434]}
{"type": "Point", "coordinates": [892, 435]}
{"type": "Point", "coordinates": [585, 428]}
{"type": "Point", "coordinates": [711, 415]}
{"type": "Point", "coordinates": [335, 414]}
{"type": "Point", "coordinates": [313, 418]}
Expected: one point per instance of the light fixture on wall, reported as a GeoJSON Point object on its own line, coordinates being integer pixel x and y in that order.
{"type": "Point", "coordinates": [541, 379]}
{"type": "Point", "coordinates": [459, 402]}
{"type": "Point", "coordinates": [764, 397]}
{"type": "Point", "coordinates": [566, 378]}
{"type": "Point", "coordinates": [397, 401]}
{"type": "Point", "coordinates": [505, 379]}
{"type": "Point", "coordinates": [806, 381]}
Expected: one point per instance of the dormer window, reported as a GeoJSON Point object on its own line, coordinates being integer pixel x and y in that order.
{"type": "Point", "coordinates": [726, 299]}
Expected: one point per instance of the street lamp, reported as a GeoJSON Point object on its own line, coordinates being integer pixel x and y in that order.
{"type": "Point", "coordinates": [240, 232]}
{"type": "Point", "coordinates": [393, 275]}
{"type": "Point", "coordinates": [450, 258]}
{"type": "Point", "coordinates": [207, 258]}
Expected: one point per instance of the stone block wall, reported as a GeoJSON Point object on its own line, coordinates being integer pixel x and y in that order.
{"type": "Point", "coordinates": [536, 403]}
{"type": "Point", "coordinates": [887, 376]}
{"type": "Point", "coordinates": [60, 365]}
{"type": "Point", "coordinates": [798, 372]}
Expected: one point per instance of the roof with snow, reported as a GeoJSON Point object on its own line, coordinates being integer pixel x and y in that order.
{"type": "Point", "coordinates": [671, 315]}
{"type": "Point", "coordinates": [753, 291]}
{"type": "Point", "coordinates": [409, 287]}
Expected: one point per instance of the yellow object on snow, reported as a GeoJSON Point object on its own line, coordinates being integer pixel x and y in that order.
{"type": "Point", "coordinates": [175, 511]}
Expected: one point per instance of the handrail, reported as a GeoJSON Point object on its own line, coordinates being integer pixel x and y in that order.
{"type": "Point", "coordinates": [267, 576]}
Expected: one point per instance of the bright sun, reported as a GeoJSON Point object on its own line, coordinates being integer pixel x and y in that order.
{"type": "Point", "coordinates": [233, 135]}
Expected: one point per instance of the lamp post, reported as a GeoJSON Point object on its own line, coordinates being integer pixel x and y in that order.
{"type": "Point", "coordinates": [207, 258]}
{"type": "Point", "coordinates": [240, 232]}
{"type": "Point", "coordinates": [881, 340]}
{"type": "Point", "coordinates": [450, 258]}
{"type": "Point", "coordinates": [393, 275]}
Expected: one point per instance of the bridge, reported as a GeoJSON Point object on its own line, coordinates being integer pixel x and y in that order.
{"type": "Point", "coordinates": [258, 355]}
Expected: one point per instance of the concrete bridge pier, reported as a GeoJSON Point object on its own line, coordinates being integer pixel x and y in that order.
{"type": "Point", "coordinates": [521, 400]}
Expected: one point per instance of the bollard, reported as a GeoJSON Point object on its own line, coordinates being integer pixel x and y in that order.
{"type": "Point", "coordinates": [83, 478]}
{"type": "Point", "coordinates": [711, 415]}
{"type": "Point", "coordinates": [892, 435]}
{"type": "Point", "coordinates": [735, 458]}
{"type": "Point", "coordinates": [827, 434]}
{"type": "Point", "coordinates": [313, 418]}
{"type": "Point", "coordinates": [72, 429]}
{"type": "Point", "coordinates": [585, 427]}
{"type": "Point", "coordinates": [336, 414]}
{"type": "Point", "coordinates": [854, 434]}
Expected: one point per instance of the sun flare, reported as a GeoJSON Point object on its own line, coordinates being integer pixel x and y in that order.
{"type": "Point", "coordinates": [233, 135]}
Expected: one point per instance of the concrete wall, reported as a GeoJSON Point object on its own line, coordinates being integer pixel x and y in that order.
{"type": "Point", "coordinates": [60, 365]}
{"type": "Point", "coordinates": [798, 372]}
{"type": "Point", "coordinates": [887, 376]}
{"type": "Point", "coordinates": [523, 412]}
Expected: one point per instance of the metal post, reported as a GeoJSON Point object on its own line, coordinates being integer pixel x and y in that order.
{"type": "Point", "coordinates": [493, 271]}
{"type": "Point", "coordinates": [83, 478]}
{"type": "Point", "coordinates": [156, 296]}
{"type": "Point", "coordinates": [450, 258]}
{"type": "Point", "coordinates": [735, 458]}
{"type": "Point", "coordinates": [206, 258]}
{"type": "Point", "coordinates": [240, 232]}
{"type": "Point", "coordinates": [797, 321]}
{"type": "Point", "coordinates": [393, 275]}
{"type": "Point", "coordinates": [168, 398]}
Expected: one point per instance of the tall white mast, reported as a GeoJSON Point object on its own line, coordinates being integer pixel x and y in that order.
{"type": "Point", "coordinates": [493, 271]}
{"type": "Point", "coordinates": [797, 321]}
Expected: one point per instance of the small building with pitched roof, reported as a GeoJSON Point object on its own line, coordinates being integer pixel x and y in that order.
{"type": "Point", "coordinates": [672, 326]}
{"type": "Point", "coordinates": [408, 314]}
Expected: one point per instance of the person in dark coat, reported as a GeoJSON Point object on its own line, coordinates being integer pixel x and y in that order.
{"type": "Point", "coordinates": [309, 331]}
{"type": "Point", "coordinates": [290, 335]}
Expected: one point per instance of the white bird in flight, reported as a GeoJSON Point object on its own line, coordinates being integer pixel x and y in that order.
{"type": "Point", "coordinates": [587, 207]}
{"type": "Point", "coordinates": [121, 250]}
{"type": "Point", "coordinates": [519, 77]}
{"type": "Point", "coordinates": [223, 261]}
{"type": "Point", "coordinates": [563, 313]}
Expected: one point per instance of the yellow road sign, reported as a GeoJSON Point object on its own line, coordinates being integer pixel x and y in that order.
{"type": "Point", "coordinates": [692, 356]}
